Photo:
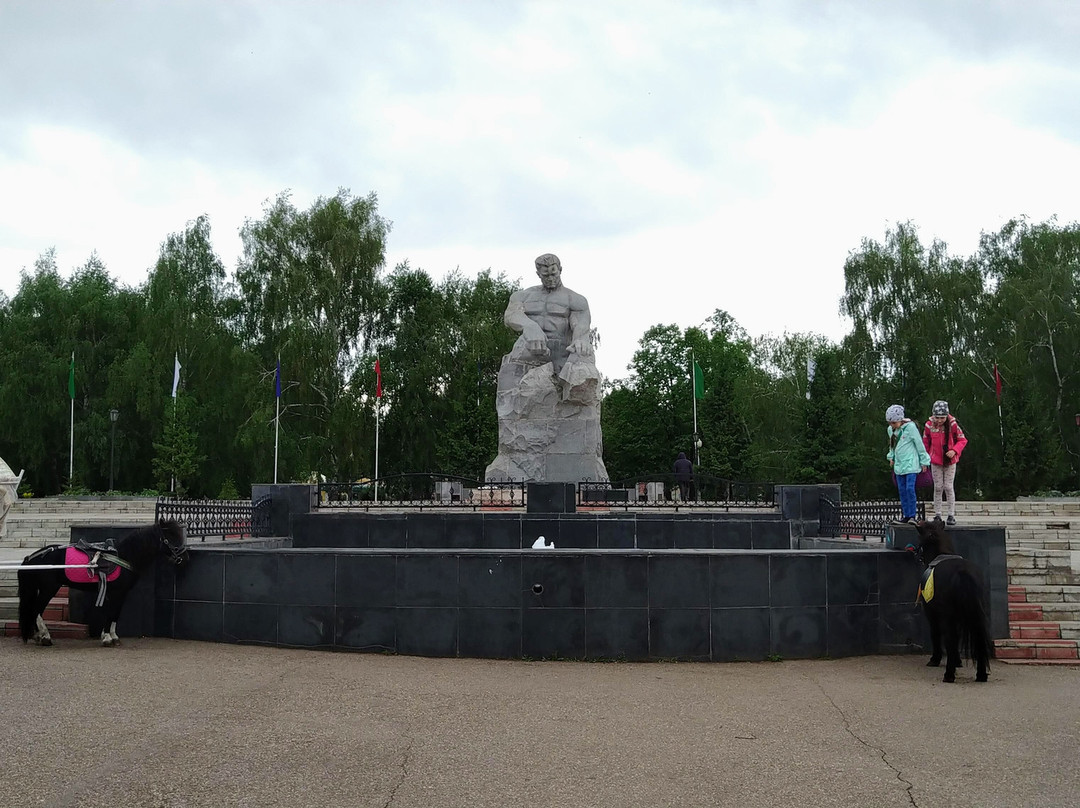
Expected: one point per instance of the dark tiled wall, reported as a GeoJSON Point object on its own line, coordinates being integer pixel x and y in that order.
{"type": "Point", "coordinates": [706, 605]}
{"type": "Point", "coordinates": [514, 531]}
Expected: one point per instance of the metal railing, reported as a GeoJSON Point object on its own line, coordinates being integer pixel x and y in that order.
{"type": "Point", "coordinates": [665, 491]}
{"type": "Point", "coordinates": [860, 519]}
{"type": "Point", "coordinates": [212, 517]}
{"type": "Point", "coordinates": [429, 490]}
{"type": "Point", "coordinates": [422, 490]}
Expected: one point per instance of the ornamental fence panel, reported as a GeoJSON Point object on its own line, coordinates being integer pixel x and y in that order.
{"type": "Point", "coordinates": [860, 519]}
{"type": "Point", "coordinates": [211, 517]}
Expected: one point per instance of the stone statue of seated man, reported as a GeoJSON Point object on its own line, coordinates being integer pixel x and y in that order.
{"type": "Point", "coordinates": [549, 388]}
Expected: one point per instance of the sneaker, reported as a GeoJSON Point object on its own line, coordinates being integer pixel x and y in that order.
{"type": "Point", "coordinates": [951, 520]}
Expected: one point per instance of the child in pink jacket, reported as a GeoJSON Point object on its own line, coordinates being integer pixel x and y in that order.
{"type": "Point", "coordinates": [944, 440]}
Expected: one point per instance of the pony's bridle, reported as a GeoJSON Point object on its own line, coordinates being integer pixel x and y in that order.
{"type": "Point", "coordinates": [176, 554]}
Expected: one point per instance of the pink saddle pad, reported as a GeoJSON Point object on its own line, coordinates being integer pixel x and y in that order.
{"type": "Point", "coordinates": [83, 575]}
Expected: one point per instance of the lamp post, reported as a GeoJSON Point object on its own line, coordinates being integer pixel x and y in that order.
{"type": "Point", "coordinates": [113, 415]}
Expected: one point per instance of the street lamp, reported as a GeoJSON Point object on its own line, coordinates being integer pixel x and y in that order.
{"type": "Point", "coordinates": [113, 415]}
{"type": "Point", "coordinates": [1077, 417]}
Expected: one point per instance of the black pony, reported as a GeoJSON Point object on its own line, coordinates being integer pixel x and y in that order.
{"type": "Point", "coordinates": [121, 562]}
{"type": "Point", "coordinates": [951, 593]}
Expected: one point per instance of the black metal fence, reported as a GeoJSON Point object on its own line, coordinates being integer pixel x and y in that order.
{"type": "Point", "coordinates": [666, 491]}
{"type": "Point", "coordinates": [426, 490]}
{"type": "Point", "coordinates": [422, 490]}
{"type": "Point", "coordinates": [860, 519]}
{"type": "Point", "coordinates": [210, 517]}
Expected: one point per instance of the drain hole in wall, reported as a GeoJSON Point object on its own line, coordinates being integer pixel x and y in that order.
{"type": "Point", "coordinates": [538, 589]}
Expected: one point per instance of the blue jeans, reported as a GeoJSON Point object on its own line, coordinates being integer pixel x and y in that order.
{"type": "Point", "coordinates": [905, 483]}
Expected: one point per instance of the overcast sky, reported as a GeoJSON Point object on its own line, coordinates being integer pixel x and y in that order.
{"type": "Point", "coordinates": [679, 157]}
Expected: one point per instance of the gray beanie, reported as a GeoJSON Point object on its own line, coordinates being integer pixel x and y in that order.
{"type": "Point", "coordinates": [894, 413]}
{"type": "Point", "coordinates": [940, 408]}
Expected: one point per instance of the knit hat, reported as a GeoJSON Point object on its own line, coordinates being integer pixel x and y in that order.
{"type": "Point", "coordinates": [940, 408]}
{"type": "Point", "coordinates": [894, 413]}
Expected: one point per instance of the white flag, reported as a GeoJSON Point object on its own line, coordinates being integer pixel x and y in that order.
{"type": "Point", "coordinates": [811, 369]}
{"type": "Point", "coordinates": [176, 375]}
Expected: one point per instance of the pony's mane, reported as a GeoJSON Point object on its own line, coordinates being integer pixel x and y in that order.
{"type": "Point", "coordinates": [145, 539]}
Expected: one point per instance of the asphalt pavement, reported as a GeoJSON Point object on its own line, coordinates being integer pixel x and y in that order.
{"type": "Point", "coordinates": [171, 724]}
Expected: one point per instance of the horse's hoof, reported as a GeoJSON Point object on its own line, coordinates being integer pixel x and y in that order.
{"type": "Point", "coordinates": [116, 642]}
{"type": "Point", "coordinates": [980, 677]}
{"type": "Point", "coordinates": [934, 662]}
{"type": "Point", "coordinates": [949, 677]}
{"type": "Point", "coordinates": [45, 641]}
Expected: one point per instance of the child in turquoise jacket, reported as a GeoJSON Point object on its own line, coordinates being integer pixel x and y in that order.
{"type": "Point", "coordinates": [907, 456]}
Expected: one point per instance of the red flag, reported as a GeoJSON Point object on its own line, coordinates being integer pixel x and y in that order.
{"type": "Point", "coordinates": [378, 380]}
{"type": "Point", "coordinates": [997, 383]}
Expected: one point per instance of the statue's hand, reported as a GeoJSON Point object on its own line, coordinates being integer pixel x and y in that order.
{"type": "Point", "coordinates": [581, 346]}
{"type": "Point", "coordinates": [537, 346]}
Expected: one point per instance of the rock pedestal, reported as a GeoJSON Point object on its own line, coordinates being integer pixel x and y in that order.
{"type": "Point", "coordinates": [549, 424]}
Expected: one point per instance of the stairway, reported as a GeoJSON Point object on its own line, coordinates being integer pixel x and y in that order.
{"type": "Point", "coordinates": [57, 618]}
{"type": "Point", "coordinates": [1043, 560]}
{"type": "Point", "coordinates": [35, 523]}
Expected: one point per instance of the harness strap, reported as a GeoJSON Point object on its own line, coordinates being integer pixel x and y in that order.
{"type": "Point", "coordinates": [103, 582]}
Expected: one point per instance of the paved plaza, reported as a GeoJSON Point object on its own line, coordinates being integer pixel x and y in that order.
{"type": "Point", "coordinates": [169, 724]}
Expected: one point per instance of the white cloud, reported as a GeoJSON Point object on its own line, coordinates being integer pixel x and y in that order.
{"type": "Point", "coordinates": [678, 156]}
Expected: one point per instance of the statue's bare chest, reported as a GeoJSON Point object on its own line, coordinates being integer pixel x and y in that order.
{"type": "Point", "coordinates": [553, 305]}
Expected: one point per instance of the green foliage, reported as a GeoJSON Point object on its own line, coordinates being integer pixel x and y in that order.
{"type": "Point", "coordinates": [176, 460]}
{"type": "Point", "coordinates": [310, 289]}
{"type": "Point", "coordinates": [228, 490]}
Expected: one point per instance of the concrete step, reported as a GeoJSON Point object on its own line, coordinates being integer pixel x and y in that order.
{"type": "Point", "coordinates": [1044, 594]}
{"type": "Point", "coordinates": [1037, 649]}
{"type": "Point", "coordinates": [59, 629]}
{"type": "Point", "coordinates": [1070, 629]}
{"type": "Point", "coordinates": [1025, 612]}
{"type": "Point", "coordinates": [1034, 630]}
{"type": "Point", "coordinates": [1034, 578]}
{"type": "Point", "coordinates": [1019, 558]}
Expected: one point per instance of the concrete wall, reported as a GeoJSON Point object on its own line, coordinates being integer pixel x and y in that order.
{"type": "Point", "coordinates": [686, 604]}
{"type": "Point", "coordinates": [515, 531]}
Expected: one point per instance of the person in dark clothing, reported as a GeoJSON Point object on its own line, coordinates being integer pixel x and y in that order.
{"type": "Point", "coordinates": [684, 475]}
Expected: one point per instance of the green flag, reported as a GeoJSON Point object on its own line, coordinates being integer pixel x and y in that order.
{"type": "Point", "coordinates": [71, 377]}
{"type": "Point", "coordinates": [699, 381]}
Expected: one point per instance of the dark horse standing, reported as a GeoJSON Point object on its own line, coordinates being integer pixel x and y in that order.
{"type": "Point", "coordinates": [131, 554]}
{"type": "Point", "coordinates": [952, 596]}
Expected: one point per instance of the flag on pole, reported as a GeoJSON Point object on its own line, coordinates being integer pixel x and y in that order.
{"type": "Point", "coordinates": [378, 380]}
{"type": "Point", "coordinates": [277, 380]}
{"type": "Point", "coordinates": [176, 374]}
{"type": "Point", "coordinates": [811, 371]}
{"type": "Point", "coordinates": [71, 377]}
{"type": "Point", "coordinates": [997, 383]}
{"type": "Point", "coordinates": [699, 381]}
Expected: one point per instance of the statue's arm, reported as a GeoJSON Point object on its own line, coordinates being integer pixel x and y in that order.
{"type": "Point", "coordinates": [580, 325]}
{"type": "Point", "coordinates": [517, 320]}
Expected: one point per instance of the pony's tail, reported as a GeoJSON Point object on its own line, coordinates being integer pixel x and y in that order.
{"type": "Point", "coordinates": [975, 642]}
{"type": "Point", "coordinates": [28, 599]}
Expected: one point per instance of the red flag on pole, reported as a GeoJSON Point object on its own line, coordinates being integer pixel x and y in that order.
{"type": "Point", "coordinates": [997, 383]}
{"type": "Point", "coordinates": [378, 380]}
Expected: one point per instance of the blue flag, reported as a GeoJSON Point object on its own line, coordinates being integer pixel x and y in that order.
{"type": "Point", "coordinates": [277, 380]}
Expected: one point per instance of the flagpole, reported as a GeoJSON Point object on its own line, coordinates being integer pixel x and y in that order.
{"type": "Point", "coordinates": [693, 395]}
{"type": "Point", "coordinates": [71, 441]}
{"type": "Point", "coordinates": [378, 401]}
{"type": "Point", "coordinates": [377, 449]}
{"type": "Point", "coordinates": [277, 426]}
{"type": "Point", "coordinates": [71, 445]}
{"type": "Point", "coordinates": [277, 413]}
{"type": "Point", "coordinates": [997, 394]}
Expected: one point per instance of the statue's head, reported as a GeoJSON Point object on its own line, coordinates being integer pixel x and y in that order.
{"type": "Point", "coordinates": [549, 270]}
